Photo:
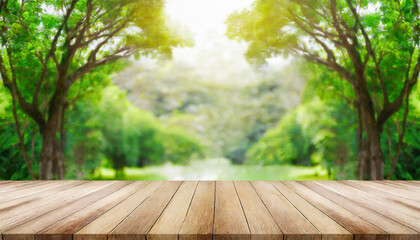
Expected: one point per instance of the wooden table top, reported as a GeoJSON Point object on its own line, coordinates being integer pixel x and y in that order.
{"type": "Point", "coordinates": [120, 210]}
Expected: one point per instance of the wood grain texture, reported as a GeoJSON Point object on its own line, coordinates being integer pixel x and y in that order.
{"type": "Point", "coordinates": [30, 190]}
{"type": "Point", "coordinates": [411, 183]}
{"type": "Point", "coordinates": [28, 230]}
{"type": "Point", "coordinates": [206, 210]}
{"type": "Point", "coordinates": [13, 204]}
{"type": "Point", "coordinates": [373, 200]}
{"type": "Point", "coordinates": [260, 221]}
{"type": "Point", "coordinates": [394, 228]}
{"type": "Point", "coordinates": [350, 221]}
{"type": "Point", "coordinates": [198, 224]}
{"type": "Point", "coordinates": [229, 218]}
{"type": "Point", "coordinates": [33, 210]}
{"type": "Point", "coordinates": [64, 229]}
{"type": "Point", "coordinates": [141, 220]}
{"type": "Point", "coordinates": [292, 223]}
{"type": "Point", "coordinates": [399, 191]}
{"type": "Point", "coordinates": [16, 185]}
{"type": "Point", "coordinates": [379, 205]}
{"type": "Point", "coordinates": [101, 226]}
{"type": "Point", "coordinates": [170, 222]}
{"type": "Point", "coordinates": [329, 229]}
{"type": "Point", "coordinates": [383, 194]}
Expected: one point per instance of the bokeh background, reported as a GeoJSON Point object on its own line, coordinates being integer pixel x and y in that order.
{"type": "Point", "coordinates": [209, 113]}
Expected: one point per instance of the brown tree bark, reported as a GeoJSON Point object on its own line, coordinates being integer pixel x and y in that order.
{"type": "Point", "coordinates": [20, 134]}
{"type": "Point", "coordinates": [51, 163]}
{"type": "Point", "coordinates": [46, 156]}
{"type": "Point", "coordinates": [362, 151]}
{"type": "Point", "coordinates": [50, 151]}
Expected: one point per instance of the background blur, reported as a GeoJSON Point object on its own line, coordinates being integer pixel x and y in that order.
{"type": "Point", "coordinates": [208, 113]}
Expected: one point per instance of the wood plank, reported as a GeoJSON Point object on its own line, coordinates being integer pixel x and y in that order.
{"type": "Point", "coordinates": [229, 218]}
{"type": "Point", "coordinates": [102, 210]}
{"type": "Point", "coordinates": [18, 185]}
{"type": "Point", "coordinates": [406, 186]}
{"type": "Point", "coordinates": [38, 197]}
{"type": "Point", "coordinates": [170, 222]}
{"type": "Point", "coordinates": [350, 221]}
{"type": "Point", "coordinates": [387, 189]}
{"type": "Point", "coordinates": [141, 220]}
{"type": "Point", "coordinates": [30, 190]}
{"type": "Point", "coordinates": [260, 221]}
{"type": "Point", "coordinates": [383, 194]}
{"type": "Point", "coordinates": [292, 223]}
{"type": "Point", "coordinates": [99, 228]}
{"type": "Point", "coordinates": [10, 185]}
{"type": "Point", "coordinates": [396, 230]}
{"type": "Point", "coordinates": [202, 208]}
{"type": "Point", "coordinates": [28, 230]}
{"type": "Point", "coordinates": [329, 228]}
{"type": "Point", "coordinates": [411, 182]}
{"type": "Point", "coordinates": [27, 212]}
{"type": "Point", "coordinates": [402, 192]}
{"type": "Point", "coordinates": [380, 206]}
{"type": "Point", "coordinates": [64, 229]}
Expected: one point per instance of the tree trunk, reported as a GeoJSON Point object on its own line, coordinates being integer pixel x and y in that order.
{"type": "Point", "coordinates": [363, 158]}
{"type": "Point", "coordinates": [47, 155]}
{"type": "Point", "coordinates": [50, 152]}
{"type": "Point", "coordinates": [362, 150]}
{"type": "Point", "coordinates": [376, 155]}
{"type": "Point", "coordinates": [58, 160]}
{"type": "Point", "coordinates": [372, 145]}
{"type": "Point", "coordinates": [373, 149]}
{"type": "Point", "coordinates": [60, 146]}
{"type": "Point", "coordinates": [52, 157]}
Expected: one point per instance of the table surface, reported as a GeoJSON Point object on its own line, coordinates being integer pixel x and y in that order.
{"type": "Point", "coordinates": [90, 210]}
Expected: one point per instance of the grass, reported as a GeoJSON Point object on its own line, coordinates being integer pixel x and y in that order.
{"type": "Point", "coordinates": [216, 169]}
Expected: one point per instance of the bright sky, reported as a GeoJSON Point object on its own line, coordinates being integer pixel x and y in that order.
{"type": "Point", "coordinates": [213, 54]}
{"type": "Point", "coordinates": [204, 16]}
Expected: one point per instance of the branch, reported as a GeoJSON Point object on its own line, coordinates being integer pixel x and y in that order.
{"type": "Point", "coordinates": [52, 52]}
{"type": "Point", "coordinates": [370, 52]}
{"type": "Point", "coordinates": [90, 65]}
{"type": "Point", "coordinates": [350, 48]}
{"type": "Point", "coordinates": [28, 108]}
{"type": "Point", "coordinates": [330, 54]}
{"type": "Point", "coordinates": [393, 107]}
{"type": "Point", "coordinates": [21, 140]}
{"type": "Point", "coordinates": [400, 138]}
{"type": "Point", "coordinates": [317, 59]}
{"type": "Point", "coordinates": [92, 55]}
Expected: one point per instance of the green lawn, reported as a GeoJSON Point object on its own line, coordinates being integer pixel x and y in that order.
{"type": "Point", "coordinates": [216, 169]}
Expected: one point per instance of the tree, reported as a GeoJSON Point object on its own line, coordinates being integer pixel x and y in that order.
{"type": "Point", "coordinates": [49, 46]}
{"type": "Point", "coordinates": [373, 45]}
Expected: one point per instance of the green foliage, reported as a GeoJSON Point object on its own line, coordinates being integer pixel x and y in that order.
{"type": "Point", "coordinates": [218, 168]}
{"type": "Point", "coordinates": [408, 166]}
{"type": "Point", "coordinates": [111, 127]}
{"type": "Point", "coordinates": [313, 133]}
{"type": "Point", "coordinates": [31, 27]}
{"type": "Point", "coordinates": [12, 165]}
{"type": "Point", "coordinates": [298, 139]}
{"type": "Point", "coordinates": [321, 130]}
{"type": "Point", "coordinates": [53, 53]}
{"type": "Point", "coordinates": [179, 146]}
{"type": "Point", "coordinates": [226, 116]}
{"type": "Point", "coordinates": [373, 45]}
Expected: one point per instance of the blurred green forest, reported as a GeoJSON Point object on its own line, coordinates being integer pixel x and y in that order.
{"type": "Point", "coordinates": [100, 111]}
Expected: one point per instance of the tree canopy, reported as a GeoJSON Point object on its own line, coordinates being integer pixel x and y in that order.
{"type": "Point", "coordinates": [373, 45]}
{"type": "Point", "coordinates": [54, 52]}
